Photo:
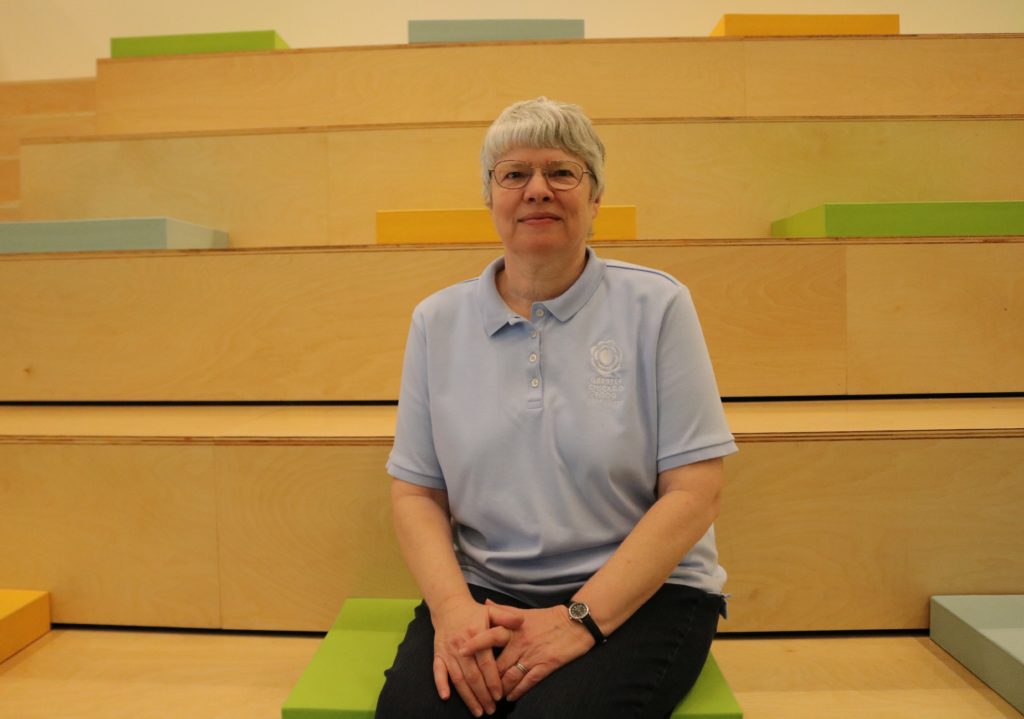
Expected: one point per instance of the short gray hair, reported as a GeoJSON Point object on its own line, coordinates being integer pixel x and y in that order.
{"type": "Point", "coordinates": [542, 123]}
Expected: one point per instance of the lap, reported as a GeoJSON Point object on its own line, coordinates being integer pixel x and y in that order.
{"type": "Point", "coordinates": [643, 671]}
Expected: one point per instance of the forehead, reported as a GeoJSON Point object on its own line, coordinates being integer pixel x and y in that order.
{"type": "Point", "coordinates": [536, 155]}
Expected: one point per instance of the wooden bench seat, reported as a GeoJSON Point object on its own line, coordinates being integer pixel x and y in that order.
{"type": "Point", "coordinates": [252, 517]}
{"type": "Point", "coordinates": [781, 318]}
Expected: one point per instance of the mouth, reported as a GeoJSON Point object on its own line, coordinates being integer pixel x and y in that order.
{"type": "Point", "coordinates": [537, 218]}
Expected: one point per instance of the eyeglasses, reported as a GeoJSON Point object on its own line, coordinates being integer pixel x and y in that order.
{"type": "Point", "coordinates": [560, 174]}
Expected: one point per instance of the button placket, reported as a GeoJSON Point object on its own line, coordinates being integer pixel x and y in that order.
{"type": "Point", "coordinates": [535, 379]}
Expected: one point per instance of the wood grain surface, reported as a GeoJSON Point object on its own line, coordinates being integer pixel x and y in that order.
{"type": "Point", "coordinates": [938, 75]}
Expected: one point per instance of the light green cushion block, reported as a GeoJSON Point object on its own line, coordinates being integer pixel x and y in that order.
{"type": "Point", "coordinates": [905, 219]}
{"type": "Point", "coordinates": [136, 233]}
{"type": "Point", "coordinates": [985, 633]}
{"type": "Point", "coordinates": [196, 43]}
{"type": "Point", "coordinates": [346, 674]}
{"type": "Point", "coordinates": [421, 31]}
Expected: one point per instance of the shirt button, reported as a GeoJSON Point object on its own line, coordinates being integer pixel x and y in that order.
{"type": "Point", "coordinates": [539, 313]}
{"type": "Point", "coordinates": [535, 382]}
{"type": "Point", "coordinates": [533, 356]}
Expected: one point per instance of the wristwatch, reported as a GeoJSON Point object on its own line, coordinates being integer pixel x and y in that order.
{"type": "Point", "coordinates": [580, 612]}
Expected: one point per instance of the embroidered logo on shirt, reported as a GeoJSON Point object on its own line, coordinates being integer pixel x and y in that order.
{"type": "Point", "coordinates": [606, 358]}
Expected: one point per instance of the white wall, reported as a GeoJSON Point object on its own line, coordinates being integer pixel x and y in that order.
{"type": "Point", "coordinates": [43, 39]}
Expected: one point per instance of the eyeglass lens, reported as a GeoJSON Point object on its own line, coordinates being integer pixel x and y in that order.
{"type": "Point", "coordinates": [560, 174]}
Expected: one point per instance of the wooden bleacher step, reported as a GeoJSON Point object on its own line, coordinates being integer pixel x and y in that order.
{"type": "Point", "coordinates": [10, 182]}
{"type": "Point", "coordinates": [985, 633]}
{"type": "Point", "coordinates": [144, 233]}
{"type": "Point", "coordinates": [905, 219]}
{"type": "Point", "coordinates": [928, 76]}
{"type": "Point", "coordinates": [24, 617]}
{"type": "Point", "coordinates": [346, 674]}
{"type": "Point", "coordinates": [777, 167]}
{"type": "Point", "coordinates": [473, 225]}
{"type": "Point", "coordinates": [268, 517]}
{"type": "Point", "coordinates": [781, 318]}
{"type": "Point", "coordinates": [461, 31]}
{"type": "Point", "coordinates": [795, 24]}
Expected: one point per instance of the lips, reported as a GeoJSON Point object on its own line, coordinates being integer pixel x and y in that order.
{"type": "Point", "coordinates": [540, 217]}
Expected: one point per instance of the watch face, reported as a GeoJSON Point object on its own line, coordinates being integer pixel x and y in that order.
{"type": "Point", "coordinates": [578, 610]}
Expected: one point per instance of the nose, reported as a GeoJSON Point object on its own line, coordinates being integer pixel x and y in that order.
{"type": "Point", "coordinates": [538, 189]}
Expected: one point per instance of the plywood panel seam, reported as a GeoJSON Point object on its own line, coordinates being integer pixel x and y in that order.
{"type": "Point", "coordinates": [469, 124]}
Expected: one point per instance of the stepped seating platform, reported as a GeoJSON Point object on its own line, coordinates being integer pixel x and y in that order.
{"type": "Point", "coordinates": [39, 109]}
{"type": "Point", "coordinates": [346, 674]}
{"type": "Point", "coordinates": [782, 25]}
{"type": "Point", "coordinates": [141, 233]}
{"type": "Point", "coordinates": [907, 219]}
{"type": "Point", "coordinates": [684, 176]}
{"type": "Point", "coordinates": [24, 617]}
{"type": "Point", "coordinates": [269, 517]}
{"type": "Point", "coordinates": [399, 86]}
{"type": "Point", "coordinates": [444, 31]}
{"type": "Point", "coordinates": [986, 634]}
{"type": "Point", "coordinates": [781, 318]}
{"type": "Point", "coordinates": [96, 674]}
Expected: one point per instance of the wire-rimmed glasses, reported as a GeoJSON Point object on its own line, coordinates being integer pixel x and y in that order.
{"type": "Point", "coordinates": [560, 174]}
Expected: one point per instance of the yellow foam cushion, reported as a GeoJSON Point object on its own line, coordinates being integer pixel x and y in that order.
{"type": "Point", "coordinates": [754, 25]}
{"type": "Point", "coordinates": [24, 617]}
{"type": "Point", "coordinates": [461, 226]}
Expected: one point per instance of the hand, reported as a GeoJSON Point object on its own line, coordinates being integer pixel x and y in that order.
{"type": "Point", "coordinates": [542, 640]}
{"type": "Point", "coordinates": [475, 673]}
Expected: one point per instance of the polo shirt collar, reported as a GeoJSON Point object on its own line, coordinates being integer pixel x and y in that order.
{"type": "Point", "coordinates": [496, 314]}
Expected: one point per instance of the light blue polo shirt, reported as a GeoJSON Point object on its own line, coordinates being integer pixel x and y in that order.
{"type": "Point", "coordinates": [548, 431]}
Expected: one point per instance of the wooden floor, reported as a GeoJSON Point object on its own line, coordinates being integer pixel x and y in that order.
{"type": "Point", "coordinates": [74, 673]}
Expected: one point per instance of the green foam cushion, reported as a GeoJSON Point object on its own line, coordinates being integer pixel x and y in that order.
{"type": "Point", "coordinates": [421, 31]}
{"type": "Point", "coordinates": [152, 45]}
{"type": "Point", "coordinates": [904, 219]}
{"type": "Point", "coordinates": [346, 674]}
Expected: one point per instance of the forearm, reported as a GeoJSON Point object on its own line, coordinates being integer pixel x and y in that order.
{"type": "Point", "coordinates": [645, 559]}
{"type": "Point", "coordinates": [423, 527]}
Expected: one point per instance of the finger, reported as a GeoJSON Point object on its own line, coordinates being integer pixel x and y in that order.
{"type": "Point", "coordinates": [492, 638]}
{"type": "Point", "coordinates": [489, 669]}
{"type": "Point", "coordinates": [464, 690]}
{"type": "Point", "coordinates": [511, 677]}
{"type": "Point", "coordinates": [530, 680]}
{"type": "Point", "coordinates": [475, 684]}
{"type": "Point", "coordinates": [508, 617]}
{"type": "Point", "coordinates": [441, 678]}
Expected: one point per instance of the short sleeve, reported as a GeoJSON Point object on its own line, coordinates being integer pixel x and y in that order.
{"type": "Point", "coordinates": [413, 457]}
{"type": "Point", "coordinates": [691, 421]}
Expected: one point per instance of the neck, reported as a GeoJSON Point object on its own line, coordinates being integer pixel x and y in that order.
{"type": "Point", "coordinates": [525, 281]}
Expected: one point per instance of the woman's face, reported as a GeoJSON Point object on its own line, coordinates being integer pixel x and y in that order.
{"type": "Point", "coordinates": [536, 219]}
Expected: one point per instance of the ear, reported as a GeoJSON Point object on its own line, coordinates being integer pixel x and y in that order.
{"type": "Point", "coordinates": [595, 205]}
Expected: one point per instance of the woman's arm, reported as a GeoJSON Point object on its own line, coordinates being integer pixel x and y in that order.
{"type": "Point", "coordinates": [687, 504]}
{"type": "Point", "coordinates": [423, 525]}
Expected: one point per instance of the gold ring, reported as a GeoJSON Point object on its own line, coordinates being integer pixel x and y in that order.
{"type": "Point", "coordinates": [520, 667]}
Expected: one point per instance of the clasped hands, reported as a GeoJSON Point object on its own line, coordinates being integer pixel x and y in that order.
{"type": "Point", "coordinates": [467, 635]}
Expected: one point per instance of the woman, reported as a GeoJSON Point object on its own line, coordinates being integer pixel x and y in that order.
{"type": "Point", "coordinates": [557, 462]}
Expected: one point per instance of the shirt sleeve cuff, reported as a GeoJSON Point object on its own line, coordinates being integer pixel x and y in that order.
{"type": "Point", "coordinates": [697, 455]}
{"type": "Point", "coordinates": [423, 480]}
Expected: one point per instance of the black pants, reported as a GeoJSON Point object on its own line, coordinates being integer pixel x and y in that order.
{"type": "Point", "coordinates": [644, 669]}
